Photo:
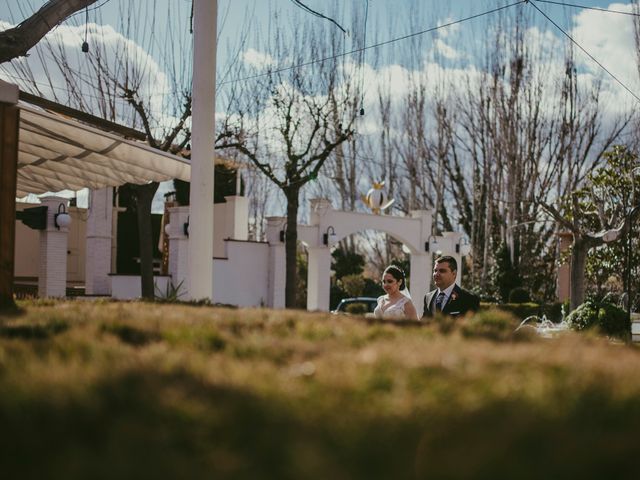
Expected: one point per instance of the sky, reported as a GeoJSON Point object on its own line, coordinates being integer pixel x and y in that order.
{"type": "Point", "coordinates": [607, 37]}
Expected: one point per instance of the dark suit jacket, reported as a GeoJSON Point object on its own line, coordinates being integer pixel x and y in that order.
{"type": "Point", "coordinates": [460, 302]}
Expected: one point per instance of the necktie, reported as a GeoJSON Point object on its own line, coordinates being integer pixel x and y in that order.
{"type": "Point", "coordinates": [440, 301]}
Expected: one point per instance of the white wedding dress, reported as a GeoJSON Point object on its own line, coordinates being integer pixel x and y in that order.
{"type": "Point", "coordinates": [394, 311]}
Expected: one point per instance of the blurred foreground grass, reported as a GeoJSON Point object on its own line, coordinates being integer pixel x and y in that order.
{"type": "Point", "coordinates": [140, 390]}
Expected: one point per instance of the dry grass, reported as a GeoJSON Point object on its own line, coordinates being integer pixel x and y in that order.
{"type": "Point", "coordinates": [141, 390]}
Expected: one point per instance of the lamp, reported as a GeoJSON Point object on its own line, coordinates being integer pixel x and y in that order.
{"type": "Point", "coordinates": [427, 245]}
{"type": "Point", "coordinates": [463, 247]}
{"type": "Point", "coordinates": [185, 227]}
{"type": "Point", "coordinates": [330, 237]}
{"type": "Point", "coordinates": [282, 235]}
{"type": "Point", "coordinates": [62, 219]}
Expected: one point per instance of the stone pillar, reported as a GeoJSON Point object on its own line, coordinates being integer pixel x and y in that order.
{"type": "Point", "coordinates": [318, 283]}
{"type": "Point", "coordinates": [99, 242]}
{"type": "Point", "coordinates": [179, 249]}
{"type": "Point", "coordinates": [419, 285]}
{"type": "Point", "coordinates": [237, 221]}
{"type": "Point", "coordinates": [52, 280]}
{"type": "Point", "coordinates": [277, 262]}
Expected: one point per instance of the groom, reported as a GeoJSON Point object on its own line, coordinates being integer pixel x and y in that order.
{"type": "Point", "coordinates": [448, 298]}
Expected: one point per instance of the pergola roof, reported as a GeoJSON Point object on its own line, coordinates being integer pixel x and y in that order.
{"type": "Point", "coordinates": [58, 153]}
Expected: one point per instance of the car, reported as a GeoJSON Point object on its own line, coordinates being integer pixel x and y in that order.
{"type": "Point", "coordinates": [357, 305]}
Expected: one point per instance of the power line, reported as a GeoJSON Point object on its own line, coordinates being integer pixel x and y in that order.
{"type": "Point", "coordinates": [376, 45]}
{"type": "Point", "coordinates": [588, 8]}
{"type": "Point", "coordinates": [585, 51]}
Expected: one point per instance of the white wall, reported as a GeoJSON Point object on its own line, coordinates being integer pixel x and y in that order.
{"type": "Point", "coordinates": [27, 251]}
{"type": "Point", "coordinates": [127, 287]}
{"type": "Point", "coordinates": [242, 278]}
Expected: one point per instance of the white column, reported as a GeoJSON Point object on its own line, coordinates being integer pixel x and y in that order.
{"type": "Point", "coordinates": [237, 220]}
{"type": "Point", "coordinates": [200, 283]}
{"type": "Point", "coordinates": [179, 249]}
{"type": "Point", "coordinates": [277, 262]}
{"type": "Point", "coordinates": [99, 242]}
{"type": "Point", "coordinates": [319, 283]}
{"type": "Point", "coordinates": [420, 280]}
{"type": "Point", "coordinates": [52, 280]}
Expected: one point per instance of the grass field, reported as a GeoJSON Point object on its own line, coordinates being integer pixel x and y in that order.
{"type": "Point", "coordinates": [143, 390]}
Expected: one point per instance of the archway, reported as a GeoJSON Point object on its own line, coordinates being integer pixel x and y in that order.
{"type": "Point", "coordinates": [328, 226]}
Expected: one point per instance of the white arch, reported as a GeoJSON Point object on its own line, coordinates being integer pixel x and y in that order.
{"type": "Point", "coordinates": [414, 231]}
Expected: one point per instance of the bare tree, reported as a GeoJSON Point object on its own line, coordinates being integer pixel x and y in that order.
{"type": "Point", "coordinates": [286, 122]}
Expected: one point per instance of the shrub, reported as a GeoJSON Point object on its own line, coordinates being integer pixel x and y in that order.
{"type": "Point", "coordinates": [519, 295]}
{"type": "Point", "coordinates": [352, 284]}
{"type": "Point", "coordinates": [518, 310]}
{"type": "Point", "coordinates": [493, 324]}
{"type": "Point", "coordinates": [606, 317]}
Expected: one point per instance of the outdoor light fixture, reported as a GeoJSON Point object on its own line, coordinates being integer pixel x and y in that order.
{"type": "Point", "coordinates": [330, 237]}
{"type": "Point", "coordinates": [282, 235]}
{"type": "Point", "coordinates": [85, 44]}
{"type": "Point", "coordinates": [185, 228]}
{"type": "Point", "coordinates": [62, 219]}
{"type": "Point", "coordinates": [427, 245]}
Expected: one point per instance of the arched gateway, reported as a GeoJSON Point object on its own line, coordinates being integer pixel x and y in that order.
{"type": "Point", "coordinates": [328, 226]}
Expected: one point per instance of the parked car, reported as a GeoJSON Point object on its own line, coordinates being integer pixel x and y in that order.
{"type": "Point", "coordinates": [357, 305]}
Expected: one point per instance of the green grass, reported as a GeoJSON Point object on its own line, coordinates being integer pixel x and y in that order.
{"type": "Point", "coordinates": [143, 390]}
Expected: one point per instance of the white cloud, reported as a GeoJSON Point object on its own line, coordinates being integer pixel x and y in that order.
{"type": "Point", "coordinates": [609, 38]}
{"type": "Point", "coordinates": [256, 59]}
{"type": "Point", "coordinates": [451, 29]}
{"type": "Point", "coordinates": [445, 50]}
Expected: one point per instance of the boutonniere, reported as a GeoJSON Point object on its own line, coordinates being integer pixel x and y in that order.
{"type": "Point", "coordinates": [454, 296]}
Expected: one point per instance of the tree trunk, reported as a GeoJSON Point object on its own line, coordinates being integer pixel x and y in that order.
{"type": "Point", "coordinates": [9, 127]}
{"type": "Point", "coordinates": [144, 197]}
{"type": "Point", "coordinates": [291, 243]}
{"type": "Point", "coordinates": [578, 264]}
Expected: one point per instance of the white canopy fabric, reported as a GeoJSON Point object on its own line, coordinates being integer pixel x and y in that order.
{"type": "Point", "coordinates": [57, 153]}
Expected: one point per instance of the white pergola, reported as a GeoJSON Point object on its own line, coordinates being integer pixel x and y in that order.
{"type": "Point", "coordinates": [59, 153]}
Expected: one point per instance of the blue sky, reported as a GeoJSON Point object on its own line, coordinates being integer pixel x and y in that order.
{"type": "Point", "coordinates": [606, 36]}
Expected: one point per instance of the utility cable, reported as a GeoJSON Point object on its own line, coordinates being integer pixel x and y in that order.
{"type": "Point", "coordinates": [376, 45]}
{"type": "Point", "coordinates": [585, 51]}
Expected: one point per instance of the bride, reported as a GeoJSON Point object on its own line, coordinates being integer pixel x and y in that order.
{"type": "Point", "coordinates": [396, 304]}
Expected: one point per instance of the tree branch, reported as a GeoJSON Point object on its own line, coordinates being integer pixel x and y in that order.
{"type": "Point", "coordinates": [16, 42]}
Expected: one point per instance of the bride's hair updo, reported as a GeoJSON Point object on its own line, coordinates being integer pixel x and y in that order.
{"type": "Point", "coordinates": [397, 273]}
